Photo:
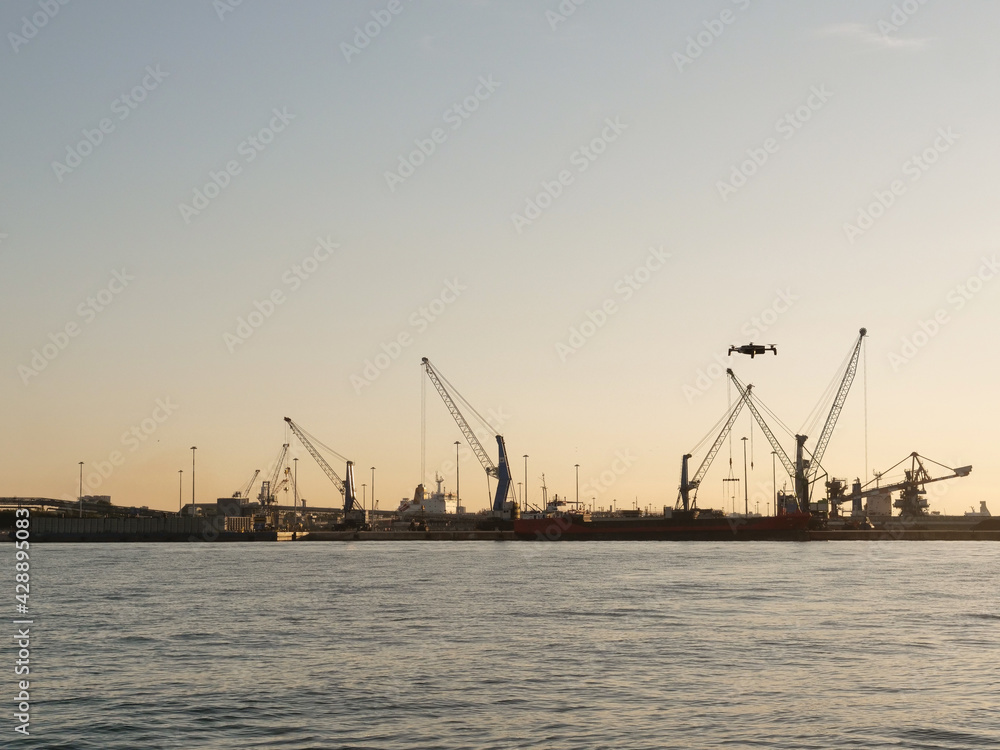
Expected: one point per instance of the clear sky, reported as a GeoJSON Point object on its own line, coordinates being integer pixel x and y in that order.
{"type": "Point", "coordinates": [216, 215]}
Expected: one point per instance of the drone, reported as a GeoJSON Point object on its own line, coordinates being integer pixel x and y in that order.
{"type": "Point", "coordinates": [753, 349]}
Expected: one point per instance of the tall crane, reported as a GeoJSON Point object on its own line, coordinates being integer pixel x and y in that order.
{"type": "Point", "coordinates": [283, 484]}
{"type": "Point", "coordinates": [689, 486]}
{"type": "Point", "coordinates": [346, 488]}
{"type": "Point", "coordinates": [244, 491]}
{"type": "Point", "coordinates": [266, 494]}
{"type": "Point", "coordinates": [835, 409]}
{"type": "Point", "coordinates": [911, 501]}
{"type": "Point", "coordinates": [500, 471]}
{"type": "Point", "coordinates": [797, 470]}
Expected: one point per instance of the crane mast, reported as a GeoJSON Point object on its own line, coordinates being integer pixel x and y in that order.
{"type": "Point", "coordinates": [502, 472]}
{"type": "Point", "coordinates": [266, 494]}
{"type": "Point", "coordinates": [244, 491]}
{"type": "Point", "coordinates": [838, 405]}
{"type": "Point", "coordinates": [345, 488]}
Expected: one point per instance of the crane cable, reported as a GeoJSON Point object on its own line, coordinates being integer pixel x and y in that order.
{"type": "Point", "coordinates": [864, 352]}
{"type": "Point", "coordinates": [456, 396]}
{"type": "Point", "coordinates": [713, 432]}
{"type": "Point", "coordinates": [423, 427]}
{"type": "Point", "coordinates": [827, 397]}
{"type": "Point", "coordinates": [316, 441]}
{"type": "Point", "coordinates": [761, 405]}
{"type": "Point", "coordinates": [729, 398]}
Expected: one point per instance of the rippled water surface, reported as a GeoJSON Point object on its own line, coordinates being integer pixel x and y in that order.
{"type": "Point", "coordinates": [515, 645]}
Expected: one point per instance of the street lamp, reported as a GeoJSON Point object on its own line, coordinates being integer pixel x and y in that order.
{"type": "Point", "coordinates": [180, 490]}
{"type": "Point", "coordinates": [295, 484]}
{"type": "Point", "coordinates": [81, 489]}
{"type": "Point", "coordinates": [746, 504]}
{"type": "Point", "coordinates": [526, 481]}
{"type": "Point", "coordinates": [374, 501]}
{"type": "Point", "coordinates": [577, 485]}
{"type": "Point", "coordinates": [193, 449]}
{"type": "Point", "coordinates": [774, 482]}
{"type": "Point", "coordinates": [364, 495]}
{"type": "Point", "coordinates": [458, 483]}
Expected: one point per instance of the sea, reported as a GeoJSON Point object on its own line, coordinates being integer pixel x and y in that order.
{"type": "Point", "coordinates": [501, 644]}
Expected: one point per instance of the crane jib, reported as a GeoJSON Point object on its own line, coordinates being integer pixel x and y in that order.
{"type": "Point", "coordinates": [345, 489]}
{"type": "Point", "coordinates": [499, 472]}
{"type": "Point", "coordinates": [837, 407]}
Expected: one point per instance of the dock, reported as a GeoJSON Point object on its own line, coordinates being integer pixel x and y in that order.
{"type": "Point", "coordinates": [395, 536]}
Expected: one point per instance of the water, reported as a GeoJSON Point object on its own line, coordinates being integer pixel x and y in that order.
{"type": "Point", "coordinates": [515, 645]}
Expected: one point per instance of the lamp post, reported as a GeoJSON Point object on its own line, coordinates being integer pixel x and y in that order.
{"type": "Point", "coordinates": [774, 483]}
{"type": "Point", "coordinates": [180, 490]}
{"type": "Point", "coordinates": [193, 449]}
{"type": "Point", "coordinates": [364, 494]}
{"type": "Point", "coordinates": [374, 501]}
{"type": "Point", "coordinates": [81, 489]}
{"type": "Point", "coordinates": [526, 480]}
{"type": "Point", "coordinates": [458, 485]}
{"type": "Point", "coordinates": [746, 504]}
{"type": "Point", "coordinates": [577, 485]}
{"type": "Point", "coordinates": [295, 484]}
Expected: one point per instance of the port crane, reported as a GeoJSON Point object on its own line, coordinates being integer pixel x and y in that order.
{"type": "Point", "coordinates": [805, 470]}
{"type": "Point", "coordinates": [911, 489]}
{"type": "Point", "coordinates": [283, 483]}
{"type": "Point", "coordinates": [686, 498]}
{"type": "Point", "coordinates": [499, 471]}
{"type": "Point", "coordinates": [796, 470]}
{"type": "Point", "coordinates": [244, 491]}
{"type": "Point", "coordinates": [814, 464]}
{"type": "Point", "coordinates": [267, 491]}
{"type": "Point", "coordinates": [353, 512]}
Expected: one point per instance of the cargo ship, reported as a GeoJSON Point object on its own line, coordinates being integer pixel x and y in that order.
{"type": "Point", "coordinates": [673, 525]}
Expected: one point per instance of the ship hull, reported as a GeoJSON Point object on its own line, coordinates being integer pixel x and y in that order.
{"type": "Point", "coordinates": [680, 527]}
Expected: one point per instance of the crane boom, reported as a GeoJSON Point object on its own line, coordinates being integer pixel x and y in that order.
{"type": "Point", "coordinates": [797, 470]}
{"type": "Point", "coordinates": [347, 490]}
{"type": "Point", "coordinates": [266, 494]}
{"type": "Point", "coordinates": [700, 474]}
{"type": "Point", "coordinates": [244, 491]}
{"type": "Point", "coordinates": [278, 465]}
{"type": "Point", "coordinates": [692, 484]}
{"type": "Point", "coordinates": [838, 405]}
{"type": "Point", "coordinates": [501, 473]}
{"type": "Point", "coordinates": [910, 502]}
{"type": "Point", "coordinates": [463, 425]}
{"type": "Point", "coordinates": [775, 445]}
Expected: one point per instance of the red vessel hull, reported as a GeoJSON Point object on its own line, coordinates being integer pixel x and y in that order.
{"type": "Point", "coordinates": [705, 526]}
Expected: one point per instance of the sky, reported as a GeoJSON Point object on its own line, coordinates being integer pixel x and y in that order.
{"type": "Point", "coordinates": [215, 215]}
